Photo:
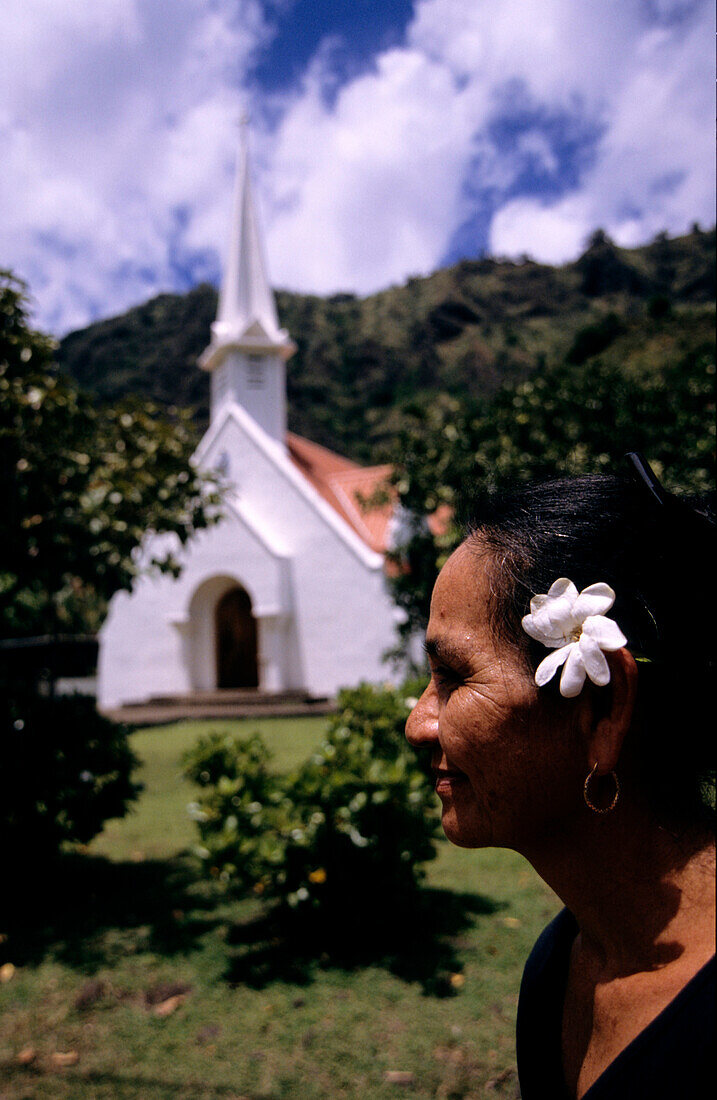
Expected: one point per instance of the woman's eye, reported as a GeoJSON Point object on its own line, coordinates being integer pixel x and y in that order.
{"type": "Point", "coordinates": [445, 677]}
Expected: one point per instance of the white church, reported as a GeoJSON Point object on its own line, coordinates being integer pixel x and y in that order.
{"type": "Point", "coordinates": [288, 592]}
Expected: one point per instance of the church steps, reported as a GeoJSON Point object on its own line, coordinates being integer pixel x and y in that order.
{"type": "Point", "coordinates": [221, 704]}
{"type": "Point", "coordinates": [244, 696]}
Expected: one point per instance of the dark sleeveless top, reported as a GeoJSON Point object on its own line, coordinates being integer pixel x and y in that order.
{"type": "Point", "coordinates": [672, 1059]}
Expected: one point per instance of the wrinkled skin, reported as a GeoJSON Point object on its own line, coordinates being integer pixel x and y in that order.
{"type": "Point", "coordinates": [508, 759]}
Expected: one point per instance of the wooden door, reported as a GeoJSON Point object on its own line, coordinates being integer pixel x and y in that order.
{"type": "Point", "coordinates": [236, 641]}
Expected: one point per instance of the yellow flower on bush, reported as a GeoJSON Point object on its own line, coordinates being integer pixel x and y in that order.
{"type": "Point", "coordinates": [318, 876]}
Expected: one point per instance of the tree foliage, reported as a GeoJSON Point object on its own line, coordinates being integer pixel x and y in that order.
{"type": "Point", "coordinates": [66, 770]}
{"type": "Point", "coordinates": [81, 485]}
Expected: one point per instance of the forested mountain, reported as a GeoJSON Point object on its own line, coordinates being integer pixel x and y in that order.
{"type": "Point", "coordinates": [465, 330]}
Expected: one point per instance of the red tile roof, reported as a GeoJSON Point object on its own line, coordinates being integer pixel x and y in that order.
{"type": "Point", "coordinates": [344, 484]}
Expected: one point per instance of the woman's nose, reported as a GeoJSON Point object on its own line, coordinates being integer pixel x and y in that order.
{"type": "Point", "coordinates": [422, 722]}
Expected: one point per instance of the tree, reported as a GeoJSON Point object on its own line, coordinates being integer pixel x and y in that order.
{"type": "Point", "coordinates": [81, 486]}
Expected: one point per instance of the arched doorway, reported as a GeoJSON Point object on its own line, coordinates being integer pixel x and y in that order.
{"type": "Point", "coordinates": [236, 641]}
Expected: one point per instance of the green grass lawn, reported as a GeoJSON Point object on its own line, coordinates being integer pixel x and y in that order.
{"type": "Point", "coordinates": [133, 980]}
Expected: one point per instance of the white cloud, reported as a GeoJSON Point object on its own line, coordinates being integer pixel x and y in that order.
{"type": "Point", "coordinates": [552, 234]}
{"type": "Point", "coordinates": [118, 138]}
{"type": "Point", "coordinates": [377, 176]}
{"type": "Point", "coordinates": [118, 115]}
{"type": "Point", "coordinates": [653, 169]}
{"type": "Point", "coordinates": [350, 205]}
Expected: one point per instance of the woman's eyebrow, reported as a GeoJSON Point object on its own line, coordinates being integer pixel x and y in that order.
{"type": "Point", "coordinates": [443, 652]}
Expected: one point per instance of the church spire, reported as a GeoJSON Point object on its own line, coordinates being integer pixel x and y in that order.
{"type": "Point", "coordinates": [246, 335]}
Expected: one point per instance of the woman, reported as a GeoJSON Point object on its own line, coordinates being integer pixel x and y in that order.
{"type": "Point", "coordinates": [576, 730]}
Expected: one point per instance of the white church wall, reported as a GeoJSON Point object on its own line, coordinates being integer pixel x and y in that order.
{"type": "Point", "coordinates": [256, 382]}
{"type": "Point", "coordinates": [324, 614]}
{"type": "Point", "coordinates": [276, 669]}
{"type": "Point", "coordinates": [232, 549]}
{"type": "Point", "coordinates": [159, 639]}
{"type": "Point", "coordinates": [343, 616]}
{"type": "Point", "coordinates": [141, 653]}
{"type": "Point", "coordinates": [270, 491]}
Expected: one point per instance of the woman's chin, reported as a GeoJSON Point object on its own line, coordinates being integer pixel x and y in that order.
{"type": "Point", "coordinates": [461, 832]}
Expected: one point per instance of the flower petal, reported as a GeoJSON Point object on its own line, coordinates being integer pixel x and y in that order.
{"type": "Point", "coordinates": [573, 678]}
{"type": "Point", "coordinates": [605, 632]}
{"type": "Point", "coordinates": [562, 587]}
{"type": "Point", "coordinates": [551, 614]}
{"type": "Point", "coordinates": [596, 599]}
{"type": "Point", "coordinates": [550, 664]}
{"type": "Point", "coordinates": [594, 660]}
{"type": "Point", "coordinates": [542, 632]}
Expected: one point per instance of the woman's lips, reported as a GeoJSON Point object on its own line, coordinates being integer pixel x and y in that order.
{"type": "Point", "coordinates": [447, 780]}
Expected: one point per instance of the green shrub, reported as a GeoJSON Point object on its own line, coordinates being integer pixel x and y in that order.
{"type": "Point", "coordinates": [241, 812]}
{"type": "Point", "coordinates": [65, 771]}
{"type": "Point", "coordinates": [355, 823]}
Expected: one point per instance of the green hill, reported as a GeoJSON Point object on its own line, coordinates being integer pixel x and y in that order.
{"type": "Point", "coordinates": [464, 330]}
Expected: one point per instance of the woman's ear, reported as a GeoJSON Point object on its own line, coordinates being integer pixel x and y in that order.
{"type": "Point", "coordinates": [611, 715]}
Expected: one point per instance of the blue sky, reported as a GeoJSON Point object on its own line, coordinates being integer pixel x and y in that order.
{"type": "Point", "coordinates": [388, 137]}
{"type": "Point", "coordinates": [357, 31]}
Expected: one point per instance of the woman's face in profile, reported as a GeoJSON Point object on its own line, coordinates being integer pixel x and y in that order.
{"type": "Point", "coordinates": [506, 766]}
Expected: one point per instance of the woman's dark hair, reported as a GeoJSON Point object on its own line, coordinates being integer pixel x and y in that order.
{"type": "Point", "coordinates": [657, 552]}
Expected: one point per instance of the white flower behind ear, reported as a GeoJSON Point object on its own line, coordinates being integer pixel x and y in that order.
{"type": "Point", "coordinates": [575, 626]}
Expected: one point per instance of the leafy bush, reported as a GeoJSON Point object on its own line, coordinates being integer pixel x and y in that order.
{"type": "Point", "coordinates": [242, 812]}
{"type": "Point", "coordinates": [353, 824]}
{"type": "Point", "coordinates": [65, 770]}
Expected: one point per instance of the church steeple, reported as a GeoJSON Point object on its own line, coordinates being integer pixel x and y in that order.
{"type": "Point", "coordinates": [248, 349]}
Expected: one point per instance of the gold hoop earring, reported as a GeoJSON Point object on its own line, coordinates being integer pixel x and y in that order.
{"type": "Point", "coordinates": [586, 793]}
